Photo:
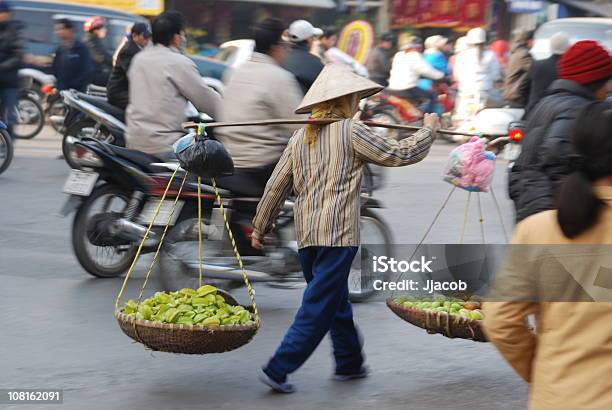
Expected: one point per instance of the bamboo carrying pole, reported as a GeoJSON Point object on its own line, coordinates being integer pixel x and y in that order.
{"type": "Point", "coordinates": [322, 121]}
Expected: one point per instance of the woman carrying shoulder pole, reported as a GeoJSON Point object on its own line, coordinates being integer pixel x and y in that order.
{"type": "Point", "coordinates": [322, 166]}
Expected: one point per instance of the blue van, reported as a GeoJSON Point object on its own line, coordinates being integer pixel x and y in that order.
{"type": "Point", "coordinates": [39, 18]}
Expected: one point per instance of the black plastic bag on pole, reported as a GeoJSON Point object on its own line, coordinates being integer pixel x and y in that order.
{"type": "Point", "coordinates": [203, 156]}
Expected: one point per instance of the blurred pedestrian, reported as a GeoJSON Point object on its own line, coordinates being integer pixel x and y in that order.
{"type": "Point", "coordinates": [326, 49]}
{"type": "Point", "coordinates": [435, 57]}
{"type": "Point", "coordinates": [95, 29]}
{"type": "Point", "coordinates": [407, 68]}
{"type": "Point", "coordinates": [162, 80]}
{"type": "Point", "coordinates": [544, 72]}
{"type": "Point", "coordinates": [460, 46]}
{"type": "Point", "coordinates": [477, 71]}
{"type": "Point", "coordinates": [72, 65]}
{"type": "Point", "coordinates": [379, 61]}
{"type": "Point", "coordinates": [11, 60]}
{"type": "Point", "coordinates": [322, 166]}
{"type": "Point", "coordinates": [567, 360]}
{"type": "Point", "coordinates": [501, 49]}
{"type": "Point", "coordinates": [117, 87]}
{"type": "Point", "coordinates": [300, 62]}
{"type": "Point", "coordinates": [258, 89]}
{"type": "Point", "coordinates": [517, 71]}
{"type": "Point", "coordinates": [585, 71]}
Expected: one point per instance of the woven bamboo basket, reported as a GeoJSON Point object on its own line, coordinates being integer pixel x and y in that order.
{"type": "Point", "coordinates": [440, 322]}
{"type": "Point", "coordinates": [187, 339]}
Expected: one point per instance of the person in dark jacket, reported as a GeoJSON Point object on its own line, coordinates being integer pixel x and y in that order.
{"type": "Point", "coordinates": [379, 61]}
{"type": "Point", "coordinates": [304, 65]}
{"type": "Point", "coordinates": [519, 64]}
{"type": "Point", "coordinates": [585, 71]}
{"type": "Point", "coordinates": [95, 27]}
{"type": "Point", "coordinates": [72, 65]}
{"type": "Point", "coordinates": [11, 57]}
{"type": "Point", "coordinates": [117, 87]}
{"type": "Point", "coordinates": [544, 72]}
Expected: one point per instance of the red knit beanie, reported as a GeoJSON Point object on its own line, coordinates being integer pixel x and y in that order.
{"type": "Point", "coordinates": [585, 62]}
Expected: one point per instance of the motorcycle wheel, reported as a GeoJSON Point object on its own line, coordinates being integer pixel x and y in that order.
{"type": "Point", "coordinates": [374, 231]}
{"type": "Point", "coordinates": [78, 130]}
{"type": "Point", "coordinates": [30, 117]}
{"type": "Point", "coordinates": [98, 260]}
{"type": "Point", "coordinates": [6, 150]}
{"type": "Point", "coordinates": [180, 246]}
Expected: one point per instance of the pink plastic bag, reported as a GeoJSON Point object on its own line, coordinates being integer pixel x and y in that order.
{"type": "Point", "coordinates": [470, 166]}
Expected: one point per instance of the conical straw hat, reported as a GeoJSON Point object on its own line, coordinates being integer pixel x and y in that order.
{"type": "Point", "coordinates": [333, 82]}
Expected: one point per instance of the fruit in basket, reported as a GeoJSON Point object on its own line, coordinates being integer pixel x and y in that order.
{"type": "Point", "coordinates": [202, 306]}
{"type": "Point", "coordinates": [476, 315]}
{"type": "Point", "coordinates": [455, 307]}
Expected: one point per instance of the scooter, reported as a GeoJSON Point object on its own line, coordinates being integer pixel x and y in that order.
{"type": "Point", "coordinates": [116, 191]}
{"type": "Point", "coordinates": [493, 123]}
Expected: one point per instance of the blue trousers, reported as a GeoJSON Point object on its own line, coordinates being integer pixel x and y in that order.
{"type": "Point", "coordinates": [8, 102]}
{"type": "Point", "coordinates": [325, 307]}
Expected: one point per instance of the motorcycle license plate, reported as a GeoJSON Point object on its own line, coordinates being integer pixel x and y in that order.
{"type": "Point", "coordinates": [165, 216]}
{"type": "Point", "coordinates": [80, 182]}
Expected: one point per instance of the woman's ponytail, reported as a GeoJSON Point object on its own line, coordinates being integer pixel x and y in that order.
{"type": "Point", "coordinates": [578, 205]}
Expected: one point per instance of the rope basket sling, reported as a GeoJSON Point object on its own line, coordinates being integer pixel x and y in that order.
{"type": "Point", "coordinates": [451, 326]}
{"type": "Point", "coordinates": [186, 338]}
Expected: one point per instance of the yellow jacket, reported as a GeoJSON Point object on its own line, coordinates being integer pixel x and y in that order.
{"type": "Point", "coordinates": [568, 362]}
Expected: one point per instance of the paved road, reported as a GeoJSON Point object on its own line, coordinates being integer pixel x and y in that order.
{"type": "Point", "coordinates": [58, 330]}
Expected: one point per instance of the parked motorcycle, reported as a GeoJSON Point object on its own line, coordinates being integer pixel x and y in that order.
{"type": "Point", "coordinates": [115, 194]}
{"type": "Point", "coordinates": [6, 148]}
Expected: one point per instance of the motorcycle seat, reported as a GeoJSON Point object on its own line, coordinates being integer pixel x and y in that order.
{"type": "Point", "coordinates": [139, 158]}
{"type": "Point", "coordinates": [104, 105]}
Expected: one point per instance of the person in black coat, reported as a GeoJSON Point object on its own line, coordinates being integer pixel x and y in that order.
{"type": "Point", "coordinates": [72, 64]}
{"type": "Point", "coordinates": [117, 87]}
{"type": "Point", "coordinates": [300, 62]}
{"type": "Point", "coordinates": [585, 71]}
{"type": "Point", "coordinates": [544, 72]}
{"type": "Point", "coordinates": [11, 58]}
{"type": "Point", "coordinates": [96, 30]}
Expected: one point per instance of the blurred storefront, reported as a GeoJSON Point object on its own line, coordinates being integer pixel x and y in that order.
{"type": "Point", "coordinates": [217, 21]}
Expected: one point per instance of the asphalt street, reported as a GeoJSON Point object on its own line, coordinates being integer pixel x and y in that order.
{"type": "Point", "coordinates": [58, 329]}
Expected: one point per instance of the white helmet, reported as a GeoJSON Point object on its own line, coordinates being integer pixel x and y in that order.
{"type": "Point", "coordinates": [559, 43]}
{"type": "Point", "coordinates": [476, 36]}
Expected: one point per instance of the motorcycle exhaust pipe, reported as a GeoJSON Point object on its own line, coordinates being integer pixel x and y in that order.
{"type": "Point", "coordinates": [129, 230]}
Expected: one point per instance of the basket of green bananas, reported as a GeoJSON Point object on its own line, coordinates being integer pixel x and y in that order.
{"type": "Point", "coordinates": [451, 317]}
{"type": "Point", "coordinates": [190, 321]}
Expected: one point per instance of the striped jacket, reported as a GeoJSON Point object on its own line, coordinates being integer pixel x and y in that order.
{"type": "Point", "coordinates": [326, 179]}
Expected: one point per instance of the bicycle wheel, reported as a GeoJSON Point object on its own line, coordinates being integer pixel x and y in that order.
{"type": "Point", "coordinates": [30, 117]}
{"type": "Point", "coordinates": [6, 150]}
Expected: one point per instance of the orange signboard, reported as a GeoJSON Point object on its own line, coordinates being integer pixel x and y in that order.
{"type": "Point", "coordinates": [142, 7]}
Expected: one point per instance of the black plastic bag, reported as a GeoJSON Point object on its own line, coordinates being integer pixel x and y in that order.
{"type": "Point", "coordinates": [203, 156]}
